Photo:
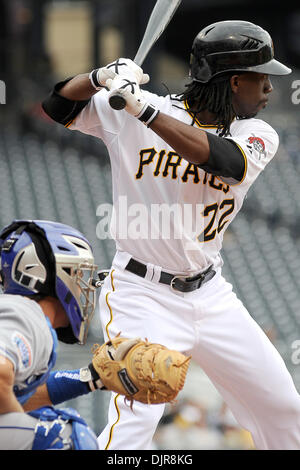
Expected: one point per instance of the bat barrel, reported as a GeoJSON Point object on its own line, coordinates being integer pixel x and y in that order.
{"type": "Point", "coordinates": [160, 17]}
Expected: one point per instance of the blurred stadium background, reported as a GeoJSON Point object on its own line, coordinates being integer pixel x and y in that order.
{"type": "Point", "coordinates": [48, 172]}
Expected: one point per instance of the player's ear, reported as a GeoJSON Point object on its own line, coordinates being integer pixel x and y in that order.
{"type": "Point", "coordinates": [234, 82]}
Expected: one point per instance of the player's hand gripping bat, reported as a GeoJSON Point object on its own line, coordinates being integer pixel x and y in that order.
{"type": "Point", "coordinates": [160, 17]}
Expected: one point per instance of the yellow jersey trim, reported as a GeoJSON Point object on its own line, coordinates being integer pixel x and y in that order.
{"type": "Point", "coordinates": [116, 422]}
{"type": "Point", "coordinates": [108, 305]}
{"type": "Point", "coordinates": [108, 335]}
{"type": "Point", "coordinates": [199, 124]}
{"type": "Point", "coordinates": [69, 123]}
{"type": "Point", "coordinates": [246, 163]}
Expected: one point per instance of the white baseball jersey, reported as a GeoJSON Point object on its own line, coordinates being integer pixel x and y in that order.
{"type": "Point", "coordinates": [167, 211]}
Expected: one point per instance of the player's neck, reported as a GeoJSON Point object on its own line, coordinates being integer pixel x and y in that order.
{"type": "Point", "coordinates": [206, 117]}
{"type": "Point", "coordinates": [53, 309]}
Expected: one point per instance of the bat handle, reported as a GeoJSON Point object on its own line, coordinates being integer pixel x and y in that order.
{"type": "Point", "coordinates": [117, 101]}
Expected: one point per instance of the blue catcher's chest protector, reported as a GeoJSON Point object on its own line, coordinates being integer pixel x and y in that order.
{"type": "Point", "coordinates": [50, 425]}
{"type": "Point", "coordinates": [24, 394]}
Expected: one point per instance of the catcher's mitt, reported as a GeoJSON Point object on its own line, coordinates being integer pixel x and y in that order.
{"type": "Point", "coordinates": [142, 371]}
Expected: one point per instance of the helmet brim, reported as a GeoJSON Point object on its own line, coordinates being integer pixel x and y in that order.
{"type": "Point", "coordinates": [273, 67]}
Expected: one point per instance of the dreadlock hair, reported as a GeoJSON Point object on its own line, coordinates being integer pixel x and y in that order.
{"type": "Point", "coordinates": [214, 96]}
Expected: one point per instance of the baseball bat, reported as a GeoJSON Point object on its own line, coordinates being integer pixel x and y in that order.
{"type": "Point", "coordinates": [161, 16]}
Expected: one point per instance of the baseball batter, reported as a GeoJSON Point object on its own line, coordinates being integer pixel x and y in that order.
{"type": "Point", "coordinates": [181, 168]}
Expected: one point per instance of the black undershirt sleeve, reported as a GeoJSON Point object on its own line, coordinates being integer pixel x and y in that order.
{"type": "Point", "coordinates": [225, 158]}
{"type": "Point", "coordinates": [59, 108]}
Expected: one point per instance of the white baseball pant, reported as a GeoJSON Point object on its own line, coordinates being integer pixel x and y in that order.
{"type": "Point", "coordinates": [213, 326]}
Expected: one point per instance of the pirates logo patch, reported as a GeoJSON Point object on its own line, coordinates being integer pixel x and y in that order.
{"type": "Point", "coordinates": [258, 144]}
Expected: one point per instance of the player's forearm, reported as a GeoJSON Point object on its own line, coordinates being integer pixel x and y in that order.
{"type": "Point", "coordinates": [190, 143]}
{"type": "Point", "coordinates": [78, 88]}
{"type": "Point", "coordinates": [62, 386]}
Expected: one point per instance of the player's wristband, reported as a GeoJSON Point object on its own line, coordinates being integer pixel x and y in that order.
{"type": "Point", "coordinates": [64, 385]}
{"type": "Point", "coordinates": [93, 76]}
{"type": "Point", "coordinates": [91, 376]}
{"type": "Point", "coordinates": [148, 114]}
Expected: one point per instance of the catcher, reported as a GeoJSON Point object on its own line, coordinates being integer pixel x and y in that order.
{"type": "Point", "coordinates": [47, 273]}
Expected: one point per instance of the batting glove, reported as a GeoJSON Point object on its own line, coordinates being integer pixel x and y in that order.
{"type": "Point", "coordinates": [121, 68]}
{"type": "Point", "coordinates": [136, 104]}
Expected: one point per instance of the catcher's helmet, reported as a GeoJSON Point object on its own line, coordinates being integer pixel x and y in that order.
{"type": "Point", "coordinates": [53, 259]}
{"type": "Point", "coordinates": [233, 46]}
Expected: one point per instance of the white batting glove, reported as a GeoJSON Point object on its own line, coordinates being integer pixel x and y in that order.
{"type": "Point", "coordinates": [126, 68]}
{"type": "Point", "coordinates": [122, 68]}
{"type": "Point", "coordinates": [136, 104]}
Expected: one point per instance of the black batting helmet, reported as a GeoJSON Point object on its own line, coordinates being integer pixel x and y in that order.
{"type": "Point", "coordinates": [233, 46]}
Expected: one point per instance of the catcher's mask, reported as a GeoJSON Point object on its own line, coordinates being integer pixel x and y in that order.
{"type": "Point", "coordinates": [233, 46]}
{"type": "Point", "coordinates": [52, 259]}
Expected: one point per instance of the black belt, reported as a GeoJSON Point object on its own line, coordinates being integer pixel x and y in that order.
{"type": "Point", "coordinates": [181, 283]}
